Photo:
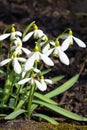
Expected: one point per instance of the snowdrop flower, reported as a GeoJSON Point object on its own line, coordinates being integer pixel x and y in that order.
{"type": "Point", "coordinates": [41, 83]}
{"type": "Point", "coordinates": [57, 51]}
{"type": "Point", "coordinates": [18, 47]}
{"type": "Point", "coordinates": [15, 60]}
{"type": "Point", "coordinates": [34, 69]}
{"type": "Point", "coordinates": [12, 35]}
{"type": "Point", "coordinates": [37, 34]}
{"type": "Point", "coordinates": [37, 56]}
{"type": "Point", "coordinates": [69, 41]}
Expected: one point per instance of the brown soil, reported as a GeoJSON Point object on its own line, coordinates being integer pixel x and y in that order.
{"type": "Point", "coordinates": [54, 16]}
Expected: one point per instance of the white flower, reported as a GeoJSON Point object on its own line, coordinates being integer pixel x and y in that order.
{"type": "Point", "coordinates": [41, 84]}
{"type": "Point", "coordinates": [15, 60]}
{"type": "Point", "coordinates": [34, 69]}
{"type": "Point", "coordinates": [12, 35]}
{"type": "Point", "coordinates": [69, 41]}
{"type": "Point", "coordinates": [35, 56]}
{"type": "Point", "coordinates": [57, 51]}
{"type": "Point", "coordinates": [37, 34]}
{"type": "Point", "coordinates": [18, 47]}
{"type": "Point", "coordinates": [62, 56]}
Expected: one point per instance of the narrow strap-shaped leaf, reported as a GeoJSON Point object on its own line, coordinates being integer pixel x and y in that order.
{"type": "Point", "coordinates": [62, 111]}
{"type": "Point", "coordinates": [45, 71]}
{"type": "Point", "coordinates": [3, 115]}
{"type": "Point", "coordinates": [28, 28]}
{"type": "Point", "coordinates": [3, 72]}
{"type": "Point", "coordinates": [21, 102]}
{"type": "Point", "coordinates": [63, 87]}
{"type": "Point", "coordinates": [44, 98]}
{"type": "Point", "coordinates": [57, 78]}
{"type": "Point", "coordinates": [47, 118]}
{"type": "Point", "coordinates": [14, 114]}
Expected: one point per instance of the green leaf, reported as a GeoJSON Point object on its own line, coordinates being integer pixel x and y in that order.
{"type": "Point", "coordinates": [3, 72]}
{"type": "Point", "coordinates": [28, 28]}
{"type": "Point", "coordinates": [47, 118]}
{"type": "Point", "coordinates": [44, 98]}
{"type": "Point", "coordinates": [3, 106]}
{"type": "Point", "coordinates": [57, 78]}
{"type": "Point", "coordinates": [63, 87]}
{"type": "Point", "coordinates": [1, 90]}
{"type": "Point", "coordinates": [14, 114]}
{"type": "Point", "coordinates": [21, 102]}
{"type": "Point", "coordinates": [8, 28]}
{"type": "Point", "coordinates": [62, 111]}
{"type": "Point", "coordinates": [3, 115]}
{"type": "Point", "coordinates": [12, 103]}
{"type": "Point", "coordinates": [45, 71]}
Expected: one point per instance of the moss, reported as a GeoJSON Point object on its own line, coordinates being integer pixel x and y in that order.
{"type": "Point", "coordinates": [47, 126]}
{"type": "Point", "coordinates": [32, 125]}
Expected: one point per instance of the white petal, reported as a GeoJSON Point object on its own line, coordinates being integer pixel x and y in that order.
{"type": "Point", "coordinates": [2, 63]}
{"type": "Point", "coordinates": [18, 33]}
{"type": "Point", "coordinates": [56, 51]}
{"type": "Point", "coordinates": [24, 73]}
{"type": "Point", "coordinates": [29, 63]}
{"type": "Point", "coordinates": [17, 66]}
{"type": "Point", "coordinates": [38, 33]}
{"type": "Point", "coordinates": [17, 40]}
{"type": "Point", "coordinates": [65, 46]}
{"type": "Point", "coordinates": [24, 81]}
{"type": "Point", "coordinates": [44, 37]}
{"type": "Point", "coordinates": [79, 42]}
{"type": "Point", "coordinates": [38, 84]}
{"type": "Point", "coordinates": [44, 86]}
{"type": "Point", "coordinates": [13, 48]}
{"type": "Point", "coordinates": [63, 57]}
{"type": "Point", "coordinates": [21, 59]}
{"type": "Point", "coordinates": [36, 70]}
{"type": "Point", "coordinates": [4, 36]}
{"type": "Point", "coordinates": [52, 43]}
{"type": "Point", "coordinates": [28, 36]}
{"type": "Point", "coordinates": [47, 60]}
{"type": "Point", "coordinates": [41, 86]}
{"type": "Point", "coordinates": [66, 43]}
{"type": "Point", "coordinates": [49, 52]}
{"type": "Point", "coordinates": [46, 48]}
{"type": "Point", "coordinates": [26, 51]}
{"type": "Point", "coordinates": [48, 81]}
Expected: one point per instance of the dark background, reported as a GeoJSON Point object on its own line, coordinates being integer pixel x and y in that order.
{"type": "Point", "coordinates": [54, 16]}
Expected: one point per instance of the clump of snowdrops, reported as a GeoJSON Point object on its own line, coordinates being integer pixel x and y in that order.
{"type": "Point", "coordinates": [24, 72]}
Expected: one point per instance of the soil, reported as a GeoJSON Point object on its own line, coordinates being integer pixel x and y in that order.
{"type": "Point", "coordinates": [54, 16]}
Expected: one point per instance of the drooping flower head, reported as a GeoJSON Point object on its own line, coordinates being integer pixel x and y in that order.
{"type": "Point", "coordinates": [39, 81]}
{"type": "Point", "coordinates": [15, 62]}
{"type": "Point", "coordinates": [69, 41]}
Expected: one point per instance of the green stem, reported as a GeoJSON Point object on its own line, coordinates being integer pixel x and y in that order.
{"type": "Point", "coordinates": [0, 49]}
{"type": "Point", "coordinates": [30, 98]}
{"type": "Point", "coordinates": [8, 87]}
{"type": "Point", "coordinates": [17, 96]}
